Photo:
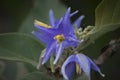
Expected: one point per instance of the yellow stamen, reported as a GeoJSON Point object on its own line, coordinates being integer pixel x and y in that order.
{"type": "Point", "coordinates": [59, 38]}
{"type": "Point", "coordinates": [41, 24]}
{"type": "Point", "coordinates": [78, 69]}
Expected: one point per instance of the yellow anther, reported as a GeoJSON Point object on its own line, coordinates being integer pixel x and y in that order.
{"type": "Point", "coordinates": [59, 38]}
{"type": "Point", "coordinates": [41, 24]}
{"type": "Point", "coordinates": [78, 69]}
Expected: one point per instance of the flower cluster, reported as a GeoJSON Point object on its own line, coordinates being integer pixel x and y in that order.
{"type": "Point", "coordinates": [59, 35]}
{"type": "Point", "coordinates": [83, 62]}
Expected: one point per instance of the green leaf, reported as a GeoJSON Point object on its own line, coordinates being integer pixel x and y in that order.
{"type": "Point", "coordinates": [107, 20]}
{"type": "Point", "coordinates": [108, 12]}
{"type": "Point", "coordinates": [38, 76]}
{"type": "Point", "coordinates": [107, 17]}
{"type": "Point", "coordinates": [20, 47]}
{"type": "Point", "coordinates": [98, 32]}
{"type": "Point", "coordinates": [10, 70]}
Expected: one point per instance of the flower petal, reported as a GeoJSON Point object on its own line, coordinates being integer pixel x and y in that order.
{"type": "Point", "coordinates": [66, 27]}
{"type": "Point", "coordinates": [51, 18]}
{"type": "Point", "coordinates": [42, 29]}
{"type": "Point", "coordinates": [67, 15]}
{"type": "Point", "coordinates": [42, 37]}
{"type": "Point", "coordinates": [72, 14]}
{"type": "Point", "coordinates": [58, 23]}
{"type": "Point", "coordinates": [84, 64]}
{"type": "Point", "coordinates": [59, 50]}
{"type": "Point", "coordinates": [68, 68]}
{"type": "Point", "coordinates": [48, 31]}
{"type": "Point", "coordinates": [72, 40]}
{"type": "Point", "coordinates": [49, 51]}
{"type": "Point", "coordinates": [78, 21]}
{"type": "Point", "coordinates": [95, 67]}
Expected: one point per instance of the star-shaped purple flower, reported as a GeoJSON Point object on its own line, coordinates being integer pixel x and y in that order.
{"type": "Point", "coordinates": [80, 61]}
{"type": "Point", "coordinates": [58, 35]}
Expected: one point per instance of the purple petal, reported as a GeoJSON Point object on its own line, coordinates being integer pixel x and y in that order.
{"type": "Point", "coordinates": [66, 44]}
{"type": "Point", "coordinates": [49, 51]}
{"type": "Point", "coordinates": [72, 14]}
{"type": "Point", "coordinates": [68, 67]}
{"type": "Point", "coordinates": [80, 59]}
{"type": "Point", "coordinates": [43, 29]}
{"type": "Point", "coordinates": [51, 17]}
{"type": "Point", "coordinates": [43, 38]}
{"type": "Point", "coordinates": [48, 31]}
{"type": "Point", "coordinates": [59, 50]}
{"type": "Point", "coordinates": [67, 15]}
{"type": "Point", "coordinates": [58, 23]}
{"type": "Point", "coordinates": [78, 21]}
{"type": "Point", "coordinates": [95, 67]}
{"type": "Point", "coordinates": [66, 27]}
{"type": "Point", "coordinates": [84, 64]}
{"type": "Point", "coordinates": [72, 40]}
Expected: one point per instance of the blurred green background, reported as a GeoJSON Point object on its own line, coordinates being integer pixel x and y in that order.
{"type": "Point", "coordinates": [18, 16]}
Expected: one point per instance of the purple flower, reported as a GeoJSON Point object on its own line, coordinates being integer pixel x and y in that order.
{"type": "Point", "coordinates": [80, 61]}
{"type": "Point", "coordinates": [58, 35]}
